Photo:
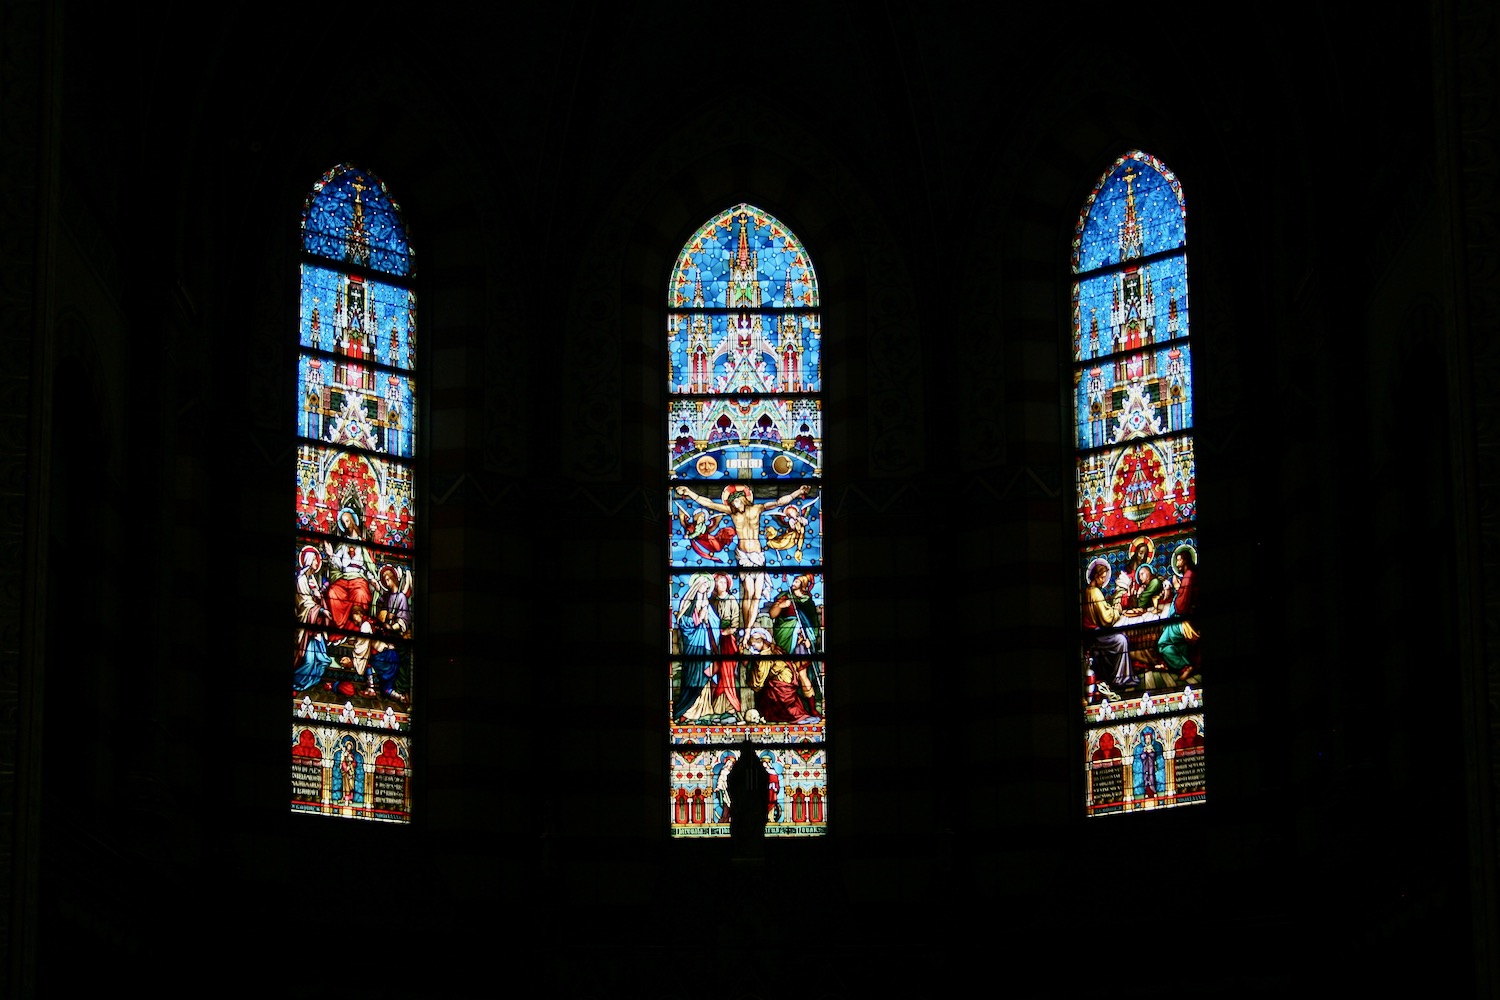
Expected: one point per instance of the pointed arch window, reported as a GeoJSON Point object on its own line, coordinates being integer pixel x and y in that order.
{"type": "Point", "coordinates": [355, 505]}
{"type": "Point", "coordinates": [1136, 493]}
{"type": "Point", "coordinates": [745, 638]}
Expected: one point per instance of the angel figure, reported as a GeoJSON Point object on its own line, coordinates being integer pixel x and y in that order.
{"type": "Point", "coordinates": [703, 533]}
{"type": "Point", "coordinates": [794, 532]}
{"type": "Point", "coordinates": [393, 620]}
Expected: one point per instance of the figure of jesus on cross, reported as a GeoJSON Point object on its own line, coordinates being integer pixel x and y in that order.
{"type": "Point", "coordinates": [739, 503]}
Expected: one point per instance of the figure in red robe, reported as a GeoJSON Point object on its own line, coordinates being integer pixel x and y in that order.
{"type": "Point", "coordinates": [705, 536]}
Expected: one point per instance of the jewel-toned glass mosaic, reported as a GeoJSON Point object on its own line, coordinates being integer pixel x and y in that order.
{"type": "Point", "coordinates": [1136, 210]}
{"type": "Point", "coordinates": [1145, 392]}
{"type": "Point", "coordinates": [748, 353]}
{"type": "Point", "coordinates": [793, 531]}
{"type": "Point", "coordinates": [1130, 309]}
{"type": "Point", "coordinates": [355, 508]}
{"type": "Point", "coordinates": [357, 773]}
{"type": "Point", "coordinates": [362, 318]}
{"type": "Point", "coordinates": [743, 259]}
{"type": "Point", "coordinates": [745, 437]}
{"type": "Point", "coordinates": [1136, 492]}
{"type": "Point", "coordinates": [348, 403]}
{"type": "Point", "coordinates": [744, 445]}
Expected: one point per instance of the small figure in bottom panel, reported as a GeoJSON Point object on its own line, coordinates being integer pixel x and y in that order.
{"type": "Point", "coordinates": [722, 771]}
{"type": "Point", "coordinates": [348, 777]}
{"type": "Point", "coordinates": [1150, 766]}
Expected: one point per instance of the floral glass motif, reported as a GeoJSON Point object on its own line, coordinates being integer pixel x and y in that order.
{"type": "Point", "coordinates": [355, 505]}
{"type": "Point", "coordinates": [1136, 494]}
{"type": "Point", "coordinates": [744, 445]}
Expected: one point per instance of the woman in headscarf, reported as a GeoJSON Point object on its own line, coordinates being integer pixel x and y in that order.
{"type": "Point", "coordinates": [698, 627]}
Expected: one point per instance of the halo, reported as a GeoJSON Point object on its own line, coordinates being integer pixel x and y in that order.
{"type": "Point", "coordinates": [737, 488]}
{"type": "Point", "coordinates": [1190, 550]}
{"type": "Point", "coordinates": [316, 561]}
{"type": "Point", "coordinates": [1088, 574]}
{"type": "Point", "coordinates": [1143, 540]}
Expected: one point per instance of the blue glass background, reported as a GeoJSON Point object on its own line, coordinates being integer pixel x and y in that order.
{"type": "Point", "coordinates": [322, 287]}
{"type": "Point", "coordinates": [1116, 374]}
{"type": "Point", "coordinates": [708, 255]}
{"type": "Point", "coordinates": [1166, 278]}
{"type": "Point", "coordinates": [329, 212]}
{"type": "Point", "coordinates": [684, 554]}
{"type": "Point", "coordinates": [766, 375]}
{"type": "Point", "coordinates": [1159, 212]}
{"type": "Point", "coordinates": [737, 450]}
{"type": "Point", "coordinates": [329, 427]}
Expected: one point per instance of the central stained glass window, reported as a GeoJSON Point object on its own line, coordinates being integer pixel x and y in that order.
{"type": "Point", "coordinates": [744, 443]}
{"type": "Point", "coordinates": [1137, 494]}
{"type": "Point", "coordinates": [355, 506]}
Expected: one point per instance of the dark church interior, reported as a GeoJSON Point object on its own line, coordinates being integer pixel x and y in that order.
{"type": "Point", "coordinates": [1341, 172]}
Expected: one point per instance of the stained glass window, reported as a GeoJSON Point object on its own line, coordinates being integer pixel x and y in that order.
{"type": "Point", "coordinates": [744, 636]}
{"type": "Point", "coordinates": [1136, 494]}
{"type": "Point", "coordinates": [353, 558]}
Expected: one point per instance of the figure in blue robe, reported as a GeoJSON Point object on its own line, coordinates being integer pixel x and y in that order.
{"type": "Point", "coordinates": [698, 625]}
{"type": "Point", "coordinates": [315, 659]}
{"type": "Point", "coordinates": [1150, 766]}
{"type": "Point", "coordinates": [348, 785]}
{"type": "Point", "coordinates": [722, 770]}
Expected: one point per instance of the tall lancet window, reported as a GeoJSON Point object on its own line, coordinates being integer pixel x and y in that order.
{"type": "Point", "coordinates": [744, 447]}
{"type": "Point", "coordinates": [1136, 493]}
{"type": "Point", "coordinates": [353, 557]}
